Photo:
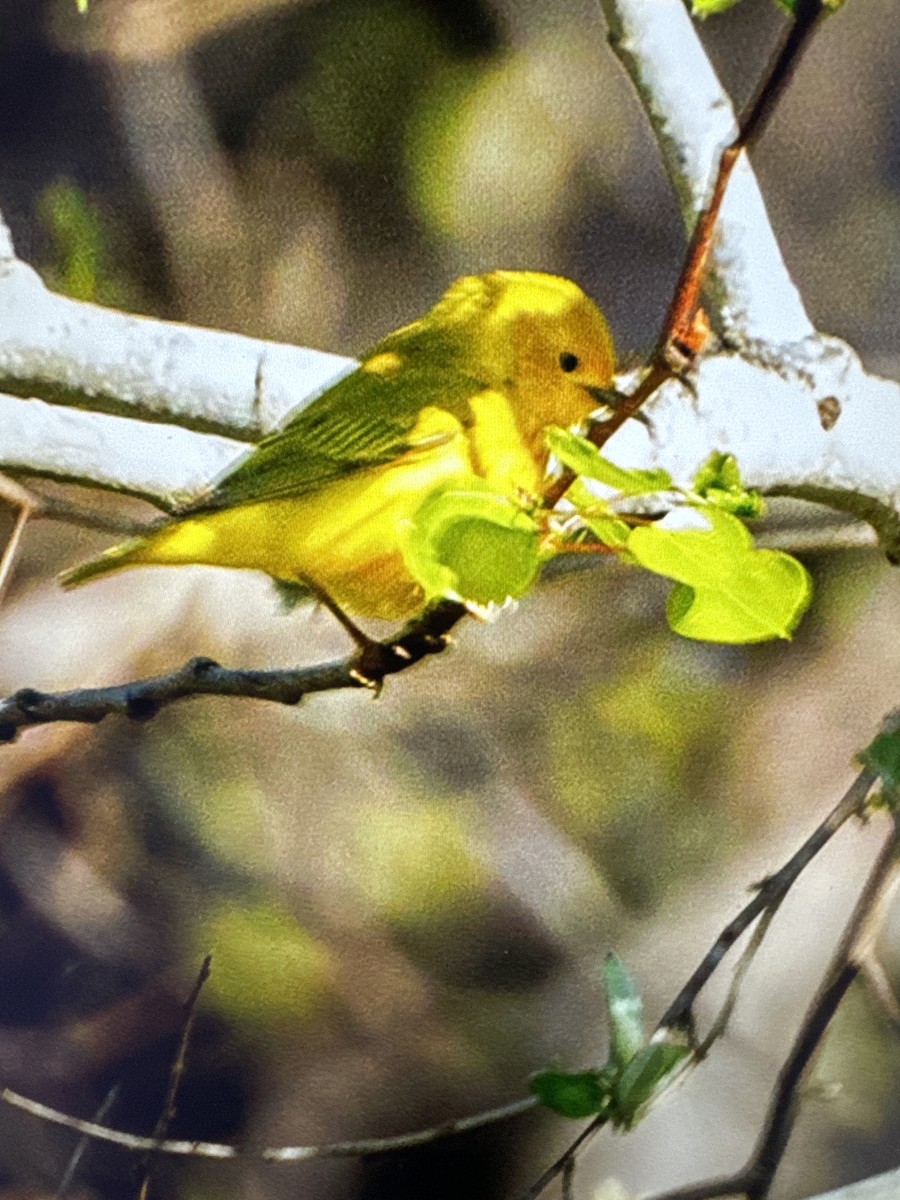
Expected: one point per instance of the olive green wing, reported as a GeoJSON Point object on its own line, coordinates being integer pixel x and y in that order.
{"type": "Point", "coordinates": [365, 420]}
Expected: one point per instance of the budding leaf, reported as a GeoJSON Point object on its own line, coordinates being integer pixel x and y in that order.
{"type": "Point", "coordinates": [719, 483]}
{"type": "Point", "coordinates": [626, 1012]}
{"type": "Point", "coordinates": [642, 1079]}
{"type": "Point", "coordinates": [882, 756]}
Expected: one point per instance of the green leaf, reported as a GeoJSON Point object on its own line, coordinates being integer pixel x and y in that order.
{"type": "Point", "coordinates": [598, 517]}
{"type": "Point", "coordinates": [706, 8]}
{"type": "Point", "coordinates": [641, 1079]}
{"type": "Point", "coordinates": [585, 1094]}
{"type": "Point", "coordinates": [626, 1012]}
{"type": "Point", "coordinates": [81, 5]}
{"type": "Point", "coordinates": [719, 482]}
{"type": "Point", "coordinates": [583, 457]}
{"type": "Point", "coordinates": [474, 546]}
{"type": "Point", "coordinates": [882, 756]}
{"type": "Point", "coordinates": [727, 591]}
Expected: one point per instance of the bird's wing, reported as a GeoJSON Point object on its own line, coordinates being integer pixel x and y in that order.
{"type": "Point", "coordinates": [365, 420]}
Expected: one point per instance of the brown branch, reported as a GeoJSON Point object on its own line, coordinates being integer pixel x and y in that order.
{"type": "Point", "coordinates": [142, 699]}
{"type": "Point", "coordinates": [675, 347]}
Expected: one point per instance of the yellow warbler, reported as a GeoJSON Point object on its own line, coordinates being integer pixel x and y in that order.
{"type": "Point", "coordinates": [466, 391]}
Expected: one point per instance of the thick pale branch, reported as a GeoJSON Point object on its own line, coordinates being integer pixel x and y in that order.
{"type": "Point", "coordinates": [84, 356]}
{"type": "Point", "coordinates": [139, 458]}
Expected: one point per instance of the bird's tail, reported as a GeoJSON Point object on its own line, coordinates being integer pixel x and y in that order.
{"type": "Point", "coordinates": [128, 554]}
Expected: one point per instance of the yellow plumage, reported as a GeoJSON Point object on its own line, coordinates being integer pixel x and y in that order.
{"type": "Point", "coordinates": [466, 391]}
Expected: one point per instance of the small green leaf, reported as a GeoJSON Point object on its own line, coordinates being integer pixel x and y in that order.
{"type": "Point", "coordinates": [585, 1094]}
{"type": "Point", "coordinates": [706, 8]}
{"type": "Point", "coordinates": [583, 457]}
{"type": "Point", "coordinates": [597, 516]}
{"type": "Point", "coordinates": [719, 482]}
{"type": "Point", "coordinates": [641, 1079]}
{"type": "Point", "coordinates": [81, 5]}
{"type": "Point", "coordinates": [882, 756]}
{"type": "Point", "coordinates": [727, 591]}
{"type": "Point", "coordinates": [474, 546]}
{"type": "Point", "coordinates": [626, 1012]}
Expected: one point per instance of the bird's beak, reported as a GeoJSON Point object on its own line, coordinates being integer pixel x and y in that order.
{"type": "Point", "coordinates": [611, 400]}
{"type": "Point", "coordinates": [605, 397]}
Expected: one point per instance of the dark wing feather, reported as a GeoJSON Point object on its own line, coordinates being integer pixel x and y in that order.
{"type": "Point", "coordinates": [365, 420]}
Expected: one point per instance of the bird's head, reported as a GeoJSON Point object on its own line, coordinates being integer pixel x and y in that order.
{"type": "Point", "coordinates": [536, 337]}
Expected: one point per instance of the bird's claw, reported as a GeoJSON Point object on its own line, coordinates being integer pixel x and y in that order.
{"type": "Point", "coordinates": [373, 661]}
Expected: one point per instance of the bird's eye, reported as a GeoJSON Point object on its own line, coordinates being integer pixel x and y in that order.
{"type": "Point", "coordinates": [568, 361]}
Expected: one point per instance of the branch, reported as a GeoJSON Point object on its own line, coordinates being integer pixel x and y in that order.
{"type": "Point", "coordinates": [143, 698]}
{"type": "Point", "coordinates": [83, 356]}
{"type": "Point", "coordinates": [273, 1154]}
{"type": "Point", "coordinates": [768, 899]}
{"type": "Point", "coordinates": [137, 458]}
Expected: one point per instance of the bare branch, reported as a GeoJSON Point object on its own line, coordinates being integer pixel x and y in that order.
{"type": "Point", "coordinates": [755, 1180]}
{"type": "Point", "coordinates": [272, 1154]}
{"type": "Point", "coordinates": [770, 894]}
{"type": "Point", "coordinates": [83, 356]}
{"type": "Point", "coordinates": [143, 698]}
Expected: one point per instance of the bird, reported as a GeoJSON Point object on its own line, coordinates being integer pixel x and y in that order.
{"type": "Point", "coordinates": [465, 393]}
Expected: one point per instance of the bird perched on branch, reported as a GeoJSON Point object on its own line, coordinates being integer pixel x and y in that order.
{"type": "Point", "coordinates": [466, 391]}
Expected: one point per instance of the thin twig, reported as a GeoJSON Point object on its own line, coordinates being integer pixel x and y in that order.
{"type": "Point", "coordinates": [771, 892]}
{"type": "Point", "coordinates": [879, 987]}
{"type": "Point", "coordinates": [361, 1148]}
{"type": "Point", "coordinates": [167, 1115]}
{"type": "Point", "coordinates": [755, 1180]}
{"type": "Point", "coordinates": [11, 549]}
{"type": "Point", "coordinates": [84, 1141]}
{"type": "Point", "coordinates": [720, 1025]}
{"type": "Point", "coordinates": [568, 1180]}
{"type": "Point", "coordinates": [677, 327]}
{"type": "Point", "coordinates": [143, 698]}
{"type": "Point", "coordinates": [562, 1163]}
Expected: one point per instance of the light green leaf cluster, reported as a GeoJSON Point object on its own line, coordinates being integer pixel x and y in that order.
{"type": "Point", "coordinates": [635, 1072]}
{"type": "Point", "coordinates": [725, 589]}
{"type": "Point", "coordinates": [469, 544]}
{"type": "Point", "coordinates": [707, 8]}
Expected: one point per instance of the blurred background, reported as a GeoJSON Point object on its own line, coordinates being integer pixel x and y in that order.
{"type": "Point", "coordinates": [408, 901]}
